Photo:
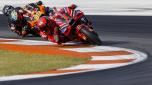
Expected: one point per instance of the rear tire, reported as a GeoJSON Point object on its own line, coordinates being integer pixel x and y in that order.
{"type": "Point", "coordinates": [92, 37]}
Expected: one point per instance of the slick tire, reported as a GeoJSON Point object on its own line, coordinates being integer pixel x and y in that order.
{"type": "Point", "coordinates": [92, 37]}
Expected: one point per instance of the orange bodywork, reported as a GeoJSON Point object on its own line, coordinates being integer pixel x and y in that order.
{"type": "Point", "coordinates": [42, 9]}
{"type": "Point", "coordinates": [36, 16]}
{"type": "Point", "coordinates": [32, 23]}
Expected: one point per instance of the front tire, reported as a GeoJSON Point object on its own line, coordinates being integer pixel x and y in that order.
{"type": "Point", "coordinates": [91, 36]}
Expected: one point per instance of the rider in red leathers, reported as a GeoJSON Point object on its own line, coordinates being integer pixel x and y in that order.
{"type": "Point", "coordinates": [57, 27]}
{"type": "Point", "coordinates": [49, 30]}
{"type": "Point", "coordinates": [62, 17]}
{"type": "Point", "coordinates": [66, 16]}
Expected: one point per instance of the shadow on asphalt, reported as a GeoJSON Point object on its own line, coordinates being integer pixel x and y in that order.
{"type": "Point", "coordinates": [114, 42]}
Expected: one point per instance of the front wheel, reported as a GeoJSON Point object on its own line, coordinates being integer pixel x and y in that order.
{"type": "Point", "coordinates": [90, 36]}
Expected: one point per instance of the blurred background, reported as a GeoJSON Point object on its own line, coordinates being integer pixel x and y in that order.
{"type": "Point", "coordinates": [96, 7]}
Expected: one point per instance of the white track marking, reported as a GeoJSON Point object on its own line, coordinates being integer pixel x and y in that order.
{"type": "Point", "coordinates": [137, 56]}
{"type": "Point", "coordinates": [29, 42]}
{"type": "Point", "coordinates": [33, 42]}
{"type": "Point", "coordinates": [96, 66]}
{"type": "Point", "coordinates": [26, 42]}
{"type": "Point", "coordinates": [94, 49]}
{"type": "Point", "coordinates": [118, 57]}
{"type": "Point", "coordinates": [7, 39]}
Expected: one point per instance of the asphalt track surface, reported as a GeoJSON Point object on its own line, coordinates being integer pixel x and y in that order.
{"type": "Point", "coordinates": [133, 32]}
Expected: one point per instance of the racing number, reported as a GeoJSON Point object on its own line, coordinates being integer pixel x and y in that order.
{"type": "Point", "coordinates": [37, 15]}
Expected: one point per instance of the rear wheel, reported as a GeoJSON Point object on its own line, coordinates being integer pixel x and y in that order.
{"type": "Point", "coordinates": [90, 36]}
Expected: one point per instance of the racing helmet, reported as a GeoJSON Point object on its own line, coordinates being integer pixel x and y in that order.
{"type": "Point", "coordinates": [7, 10]}
{"type": "Point", "coordinates": [73, 6]}
{"type": "Point", "coordinates": [39, 3]}
{"type": "Point", "coordinates": [14, 16]}
{"type": "Point", "coordinates": [28, 7]}
{"type": "Point", "coordinates": [49, 11]}
{"type": "Point", "coordinates": [31, 6]}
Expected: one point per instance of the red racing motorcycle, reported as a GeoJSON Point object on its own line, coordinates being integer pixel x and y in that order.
{"type": "Point", "coordinates": [75, 26]}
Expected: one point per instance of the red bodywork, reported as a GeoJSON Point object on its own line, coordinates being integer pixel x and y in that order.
{"type": "Point", "coordinates": [68, 29]}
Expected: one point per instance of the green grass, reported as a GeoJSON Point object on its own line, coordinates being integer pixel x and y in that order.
{"type": "Point", "coordinates": [16, 63]}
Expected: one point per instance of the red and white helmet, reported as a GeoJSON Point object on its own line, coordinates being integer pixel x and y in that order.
{"type": "Point", "coordinates": [73, 6]}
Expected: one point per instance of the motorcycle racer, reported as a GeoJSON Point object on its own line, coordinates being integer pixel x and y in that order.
{"type": "Point", "coordinates": [23, 20]}
{"type": "Point", "coordinates": [38, 6]}
{"type": "Point", "coordinates": [71, 12]}
{"type": "Point", "coordinates": [17, 23]}
{"type": "Point", "coordinates": [67, 24]}
{"type": "Point", "coordinates": [49, 30]}
{"type": "Point", "coordinates": [55, 26]}
{"type": "Point", "coordinates": [37, 10]}
{"type": "Point", "coordinates": [62, 19]}
{"type": "Point", "coordinates": [33, 12]}
{"type": "Point", "coordinates": [75, 26]}
{"type": "Point", "coordinates": [65, 18]}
